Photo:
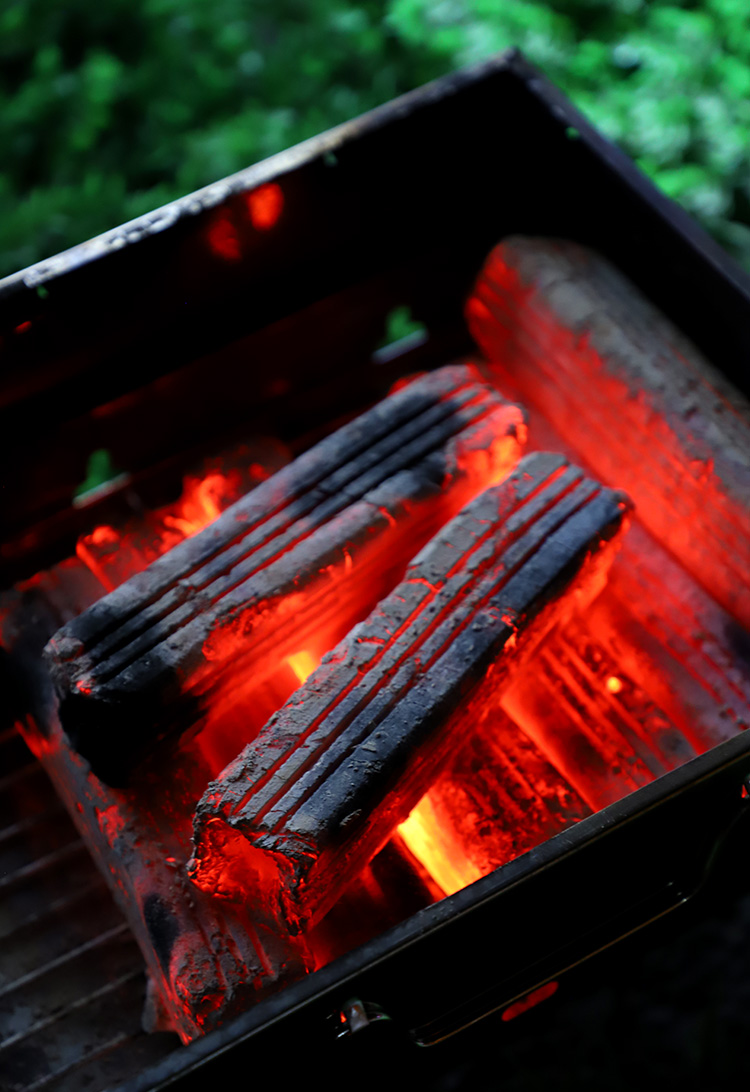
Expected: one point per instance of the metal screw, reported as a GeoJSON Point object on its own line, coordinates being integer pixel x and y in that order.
{"type": "Point", "coordinates": [355, 1015]}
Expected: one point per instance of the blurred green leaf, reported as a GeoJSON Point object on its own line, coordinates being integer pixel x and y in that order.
{"type": "Point", "coordinates": [108, 110]}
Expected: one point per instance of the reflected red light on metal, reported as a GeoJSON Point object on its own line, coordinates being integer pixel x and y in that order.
{"type": "Point", "coordinates": [265, 206]}
{"type": "Point", "coordinates": [224, 241]}
{"type": "Point", "coordinates": [23, 327]}
{"type": "Point", "coordinates": [103, 534]}
{"type": "Point", "coordinates": [529, 1001]}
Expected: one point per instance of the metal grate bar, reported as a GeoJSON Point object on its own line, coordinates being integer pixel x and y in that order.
{"type": "Point", "coordinates": [22, 826]}
{"type": "Point", "coordinates": [68, 957]}
{"type": "Point", "coordinates": [74, 1006]}
{"type": "Point", "coordinates": [66, 1070]}
{"type": "Point", "coordinates": [50, 860]}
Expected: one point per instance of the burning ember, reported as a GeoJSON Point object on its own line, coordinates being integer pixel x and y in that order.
{"type": "Point", "coordinates": [290, 567]}
{"type": "Point", "coordinates": [310, 801]}
{"type": "Point", "coordinates": [320, 696]}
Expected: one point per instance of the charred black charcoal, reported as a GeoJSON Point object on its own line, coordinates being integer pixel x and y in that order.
{"type": "Point", "coordinates": [323, 785]}
{"type": "Point", "coordinates": [313, 547]}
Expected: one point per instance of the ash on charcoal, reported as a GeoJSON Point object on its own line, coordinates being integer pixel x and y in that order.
{"type": "Point", "coordinates": [346, 759]}
{"type": "Point", "coordinates": [306, 554]}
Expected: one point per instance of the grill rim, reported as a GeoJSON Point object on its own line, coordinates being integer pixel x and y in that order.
{"type": "Point", "coordinates": [705, 794]}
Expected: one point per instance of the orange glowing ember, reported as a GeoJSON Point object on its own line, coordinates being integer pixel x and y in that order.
{"type": "Point", "coordinates": [199, 505]}
{"type": "Point", "coordinates": [444, 858]}
{"type": "Point", "coordinates": [113, 554]}
{"type": "Point", "coordinates": [265, 205]}
{"type": "Point", "coordinates": [302, 664]}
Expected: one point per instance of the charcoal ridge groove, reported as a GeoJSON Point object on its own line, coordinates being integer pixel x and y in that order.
{"type": "Point", "coordinates": [144, 663]}
{"type": "Point", "coordinates": [331, 774]}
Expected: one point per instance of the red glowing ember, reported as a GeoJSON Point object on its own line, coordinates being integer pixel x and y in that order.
{"type": "Point", "coordinates": [530, 1001]}
{"type": "Point", "coordinates": [265, 206]}
{"type": "Point", "coordinates": [628, 392]}
{"type": "Point", "coordinates": [224, 240]}
{"type": "Point", "coordinates": [294, 566]}
{"type": "Point", "coordinates": [309, 802]}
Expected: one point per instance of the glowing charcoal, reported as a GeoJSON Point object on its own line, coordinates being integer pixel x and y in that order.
{"type": "Point", "coordinates": [391, 887]}
{"type": "Point", "coordinates": [659, 630]}
{"type": "Point", "coordinates": [629, 392]}
{"type": "Point", "coordinates": [308, 803]}
{"type": "Point", "coordinates": [607, 740]}
{"type": "Point", "coordinates": [113, 555]}
{"type": "Point", "coordinates": [296, 563]}
{"type": "Point", "coordinates": [499, 798]}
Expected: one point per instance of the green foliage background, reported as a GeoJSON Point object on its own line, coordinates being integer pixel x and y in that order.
{"type": "Point", "coordinates": [110, 109]}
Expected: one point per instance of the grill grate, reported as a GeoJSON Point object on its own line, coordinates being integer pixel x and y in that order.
{"type": "Point", "coordinates": [72, 984]}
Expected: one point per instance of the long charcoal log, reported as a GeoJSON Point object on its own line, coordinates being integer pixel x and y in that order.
{"type": "Point", "coordinates": [673, 645]}
{"type": "Point", "coordinates": [305, 805]}
{"type": "Point", "coordinates": [631, 394]}
{"type": "Point", "coordinates": [308, 552]}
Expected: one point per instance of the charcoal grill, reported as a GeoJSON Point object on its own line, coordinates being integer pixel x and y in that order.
{"type": "Point", "coordinates": [139, 342]}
